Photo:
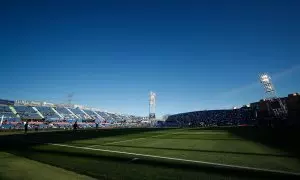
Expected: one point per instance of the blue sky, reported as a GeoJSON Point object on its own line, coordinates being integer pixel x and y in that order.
{"type": "Point", "coordinates": [194, 54]}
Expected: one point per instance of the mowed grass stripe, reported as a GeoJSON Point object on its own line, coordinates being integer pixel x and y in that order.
{"type": "Point", "coordinates": [104, 165]}
{"type": "Point", "coordinates": [202, 146]}
{"type": "Point", "coordinates": [168, 135]}
{"type": "Point", "coordinates": [217, 165]}
{"type": "Point", "coordinates": [144, 136]}
{"type": "Point", "coordinates": [135, 139]}
{"type": "Point", "coordinates": [215, 155]}
{"type": "Point", "coordinates": [241, 153]}
{"type": "Point", "coordinates": [202, 143]}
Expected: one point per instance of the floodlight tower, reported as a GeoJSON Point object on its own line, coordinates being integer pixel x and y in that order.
{"type": "Point", "coordinates": [70, 97]}
{"type": "Point", "coordinates": [152, 105]}
{"type": "Point", "coordinates": [271, 97]}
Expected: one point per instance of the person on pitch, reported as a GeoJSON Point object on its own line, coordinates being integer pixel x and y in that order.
{"type": "Point", "coordinates": [26, 126]}
{"type": "Point", "coordinates": [75, 126]}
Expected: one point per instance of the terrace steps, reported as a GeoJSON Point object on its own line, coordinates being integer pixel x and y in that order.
{"type": "Point", "coordinates": [14, 111]}
{"type": "Point", "coordinates": [57, 112]}
{"type": "Point", "coordinates": [37, 111]}
{"type": "Point", "coordinates": [98, 115]}
{"type": "Point", "coordinates": [85, 113]}
{"type": "Point", "coordinates": [72, 113]}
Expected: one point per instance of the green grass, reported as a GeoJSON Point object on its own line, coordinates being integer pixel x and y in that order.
{"type": "Point", "coordinates": [31, 153]}
{"type": "Point", "coordinates": [15, 167]}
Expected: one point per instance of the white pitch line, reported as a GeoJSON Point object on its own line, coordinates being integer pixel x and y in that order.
{"type": "Point", "coordinates": [94, 145]}
{"type": "Point", "coordinates": [183, 160]}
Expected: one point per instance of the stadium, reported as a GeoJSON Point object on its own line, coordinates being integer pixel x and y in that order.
{"type": "Point", "coordinates": [76, 99]}
{"type": "Point", "coordinates": [238, 143]}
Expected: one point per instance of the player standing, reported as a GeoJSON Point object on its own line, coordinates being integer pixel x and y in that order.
{"type": "Point", "coordinates": [75, 125]}
{"type": "Point", "coordinates": [26, 127]}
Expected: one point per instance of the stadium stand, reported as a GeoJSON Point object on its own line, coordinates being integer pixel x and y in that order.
{"type": "Point", "coordinates": [27, 112]}
{"type": "Point", "coordinates": [231, 117]}
{"type": "Point", "coordinates": [79, 113]}
{"type": "Point", "coordinates": [103, 115]}
{"type": "Point", "coordinates": [48, 113]}
{"type": "Point", "coordinates": [7, 114]}
{"type": "Point", "coordinates": [66, 113]}
{"type": "Point", "coordinates": [114, 117]}
{"type": "Point", "coordinates": [63, 116]}
{"type": "Point", "coordinates": [125, 118]}
{"type": "Point", "coordinates": [90, 113]}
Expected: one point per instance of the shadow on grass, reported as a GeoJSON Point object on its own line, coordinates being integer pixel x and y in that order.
{"type": "Point", "coordinates": [205, 151]}
{"type": "Point", "coordinates": [283, 139]}
{"type": "Point", "coordinates": [22, 145]}
{"type": "Point", "coordinates": [16, 141]}
{"type": "Point", "coordinates": [58, 156]}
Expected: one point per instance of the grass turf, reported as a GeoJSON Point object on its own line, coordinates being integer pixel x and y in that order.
{"type": "Point", "coordinates": [15, 167]}
{"type": "Point", "coordinates": [225, 146]}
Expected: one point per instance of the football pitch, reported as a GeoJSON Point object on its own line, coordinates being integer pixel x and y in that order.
{"type": "Point", "coordinates": [199, 153]}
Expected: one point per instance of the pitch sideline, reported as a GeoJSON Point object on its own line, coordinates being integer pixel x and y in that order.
{"type": "Point", "coordinates": [183, 160]}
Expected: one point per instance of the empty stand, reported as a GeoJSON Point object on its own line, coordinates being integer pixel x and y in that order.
{"type": "Point", "coordinates": [90, 113]}
{"type": "Point", "coordinates": [78, 112]}
{"type": "Point", "coordinates": [7, 113]}
{"type": "Point", "coordinates": [48, 113]}
{"type": "Point", "coordinates": [65, 113]}
{"type": "Point", "coordinates": [27, 112]}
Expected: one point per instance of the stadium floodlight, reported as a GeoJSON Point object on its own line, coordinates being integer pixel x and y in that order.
{"type": "Point", "coordinates": [70, 98]}
{"type": "Point", "coordinates": [271, 96]}
{"type": "Point", "coordinates": [265, 79]}
{"type": "Point", "coordinates": [152, 105]}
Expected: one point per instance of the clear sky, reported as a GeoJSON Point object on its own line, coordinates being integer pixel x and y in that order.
{"type": "Point", "coordinates": [194, 54]}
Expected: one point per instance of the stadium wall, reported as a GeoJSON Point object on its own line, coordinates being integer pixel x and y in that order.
{"type": "Point", "coordinates": [292, 101]}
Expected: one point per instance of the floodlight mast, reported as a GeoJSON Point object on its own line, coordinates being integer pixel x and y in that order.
{"type": "Point", "coordinates": [271, 96]}
{"type": "Point", "coordinates": [152, 105]}
{"type": "Point", "coordinates": [265, 79]}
